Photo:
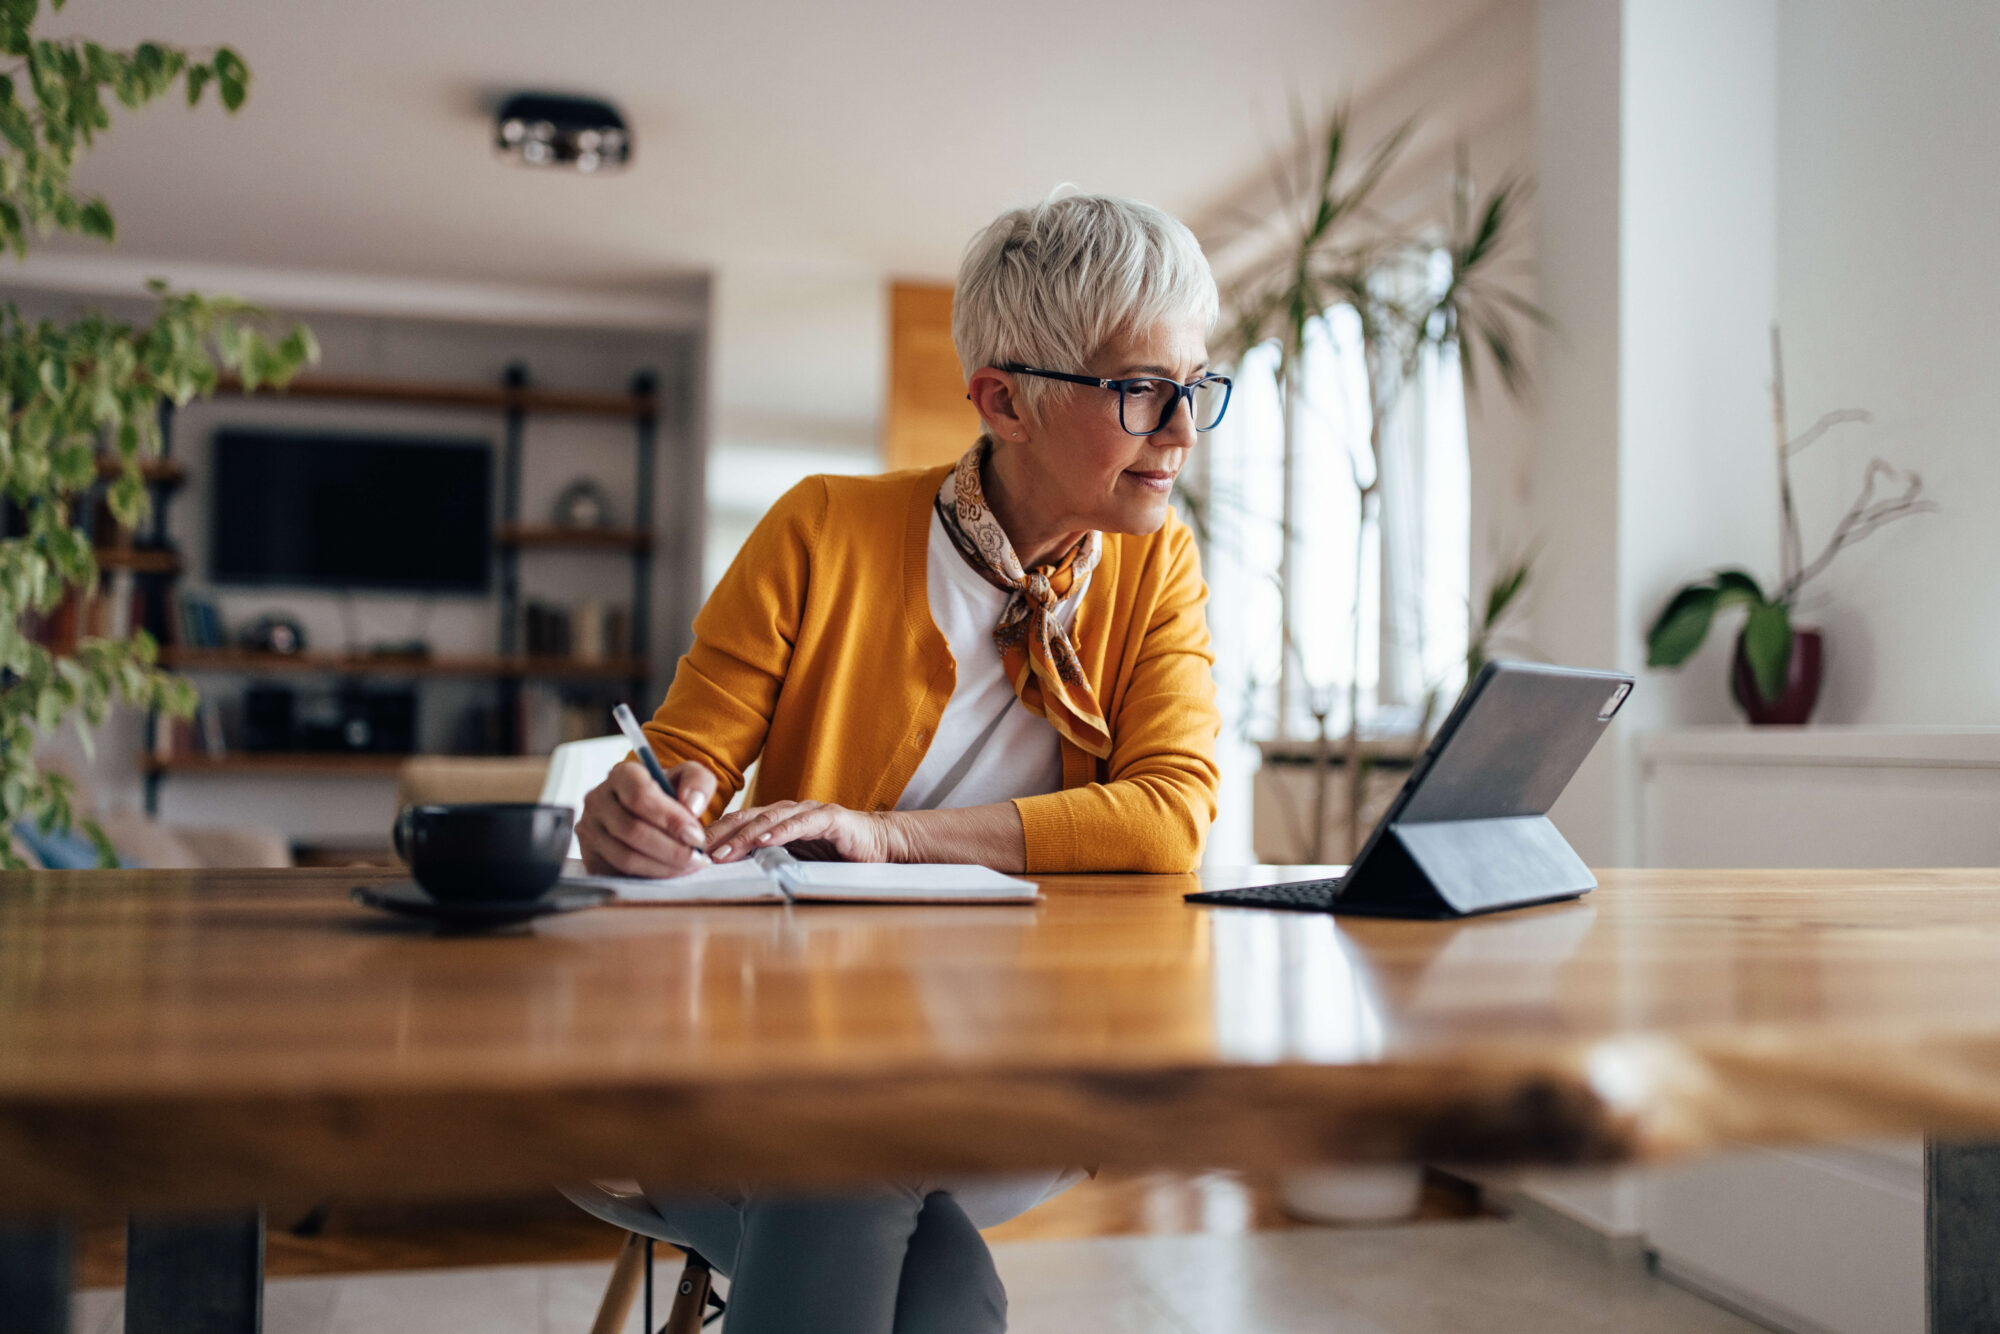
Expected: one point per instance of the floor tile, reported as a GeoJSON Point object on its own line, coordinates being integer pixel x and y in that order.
{"type": "Point", "coordinates": [1112, 1308]}
{"type": "Point", "coordinates": [1215, 1283]}
{"type": "Point", "coordinates": [571, 1293]}
{"type": "Point", "coordinates": [97, 1311]}
{"type": "Point", "coordinates": [291, 1306]}
{"type": "Point", "coordinates": [300, 1305]}
{"type": "Point", "coordinates": [1060, 1267]}
{"type": "Point", "coordinates": [492, 1301]}
{"type": "Point", "coordinates": [1497, 1277]}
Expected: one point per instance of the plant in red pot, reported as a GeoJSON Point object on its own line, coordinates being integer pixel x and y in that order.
{"type": "Point", "coordinates": [1775, 673]}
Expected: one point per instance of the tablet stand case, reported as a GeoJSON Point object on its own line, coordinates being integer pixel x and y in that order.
{"type": "Point", "coordinates": [1452, 868]}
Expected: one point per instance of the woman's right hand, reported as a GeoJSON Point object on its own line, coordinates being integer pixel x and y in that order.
{"type": "Point", "coordinates": [630, 827]}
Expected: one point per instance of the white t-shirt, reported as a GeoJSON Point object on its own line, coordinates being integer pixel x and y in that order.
{"type": "Point", "coordinates": [988, 748]}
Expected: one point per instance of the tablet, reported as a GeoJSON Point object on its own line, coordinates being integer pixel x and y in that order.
{"type": "Point", "coordinates": [1469, 831]}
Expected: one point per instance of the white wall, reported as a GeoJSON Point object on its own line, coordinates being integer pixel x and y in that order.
{"type": "Point", "coordinates": [1575, 473]}
{"type": "Point", "coordinates": [1655, 145]}
{"type": "Point", "coordinates": [1706, 165]}
{"type": "Point", "coordinates": [1889, 185]}
{"type": "Point", "coordinates": [1698, 199]}
{"type": "Point", "coordinates": [1656, 128]}
{"type": "Point", "coordinates": [799, 377]}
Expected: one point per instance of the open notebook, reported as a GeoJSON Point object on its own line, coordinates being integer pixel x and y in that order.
{"type": "Point", "coordinates": [773, 875]}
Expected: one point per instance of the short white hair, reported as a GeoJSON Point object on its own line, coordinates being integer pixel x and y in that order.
{"type": "Point", "coordinates": [1052, 284]}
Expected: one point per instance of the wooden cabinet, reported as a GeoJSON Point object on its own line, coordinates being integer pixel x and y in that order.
{"type": "Point", "coordinates": [929, 420]}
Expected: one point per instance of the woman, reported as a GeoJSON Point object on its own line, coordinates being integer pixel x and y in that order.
{"type": "Point", "coordinates": [1003, 661]}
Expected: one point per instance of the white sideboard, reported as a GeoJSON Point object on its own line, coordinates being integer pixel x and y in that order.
{"type": "Point", "coordinates": [1820, 796]}
{"type": "Point", "coordinates": [1826, 1238]}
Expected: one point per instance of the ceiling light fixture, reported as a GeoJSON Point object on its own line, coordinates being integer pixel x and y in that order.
{"type": "Point", "coordinates": [550, 130]}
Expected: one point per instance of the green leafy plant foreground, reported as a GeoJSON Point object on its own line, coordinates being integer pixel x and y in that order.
{"type": "Point", "coordinates": [79, 402]}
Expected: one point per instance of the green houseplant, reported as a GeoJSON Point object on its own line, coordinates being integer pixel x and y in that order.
{"type": "Point", "coordinates": [1777, 664]}
{"type": "Point", "coordinates": [1343, 249]}
{"type": "Point", "coordinates": [79, 401]}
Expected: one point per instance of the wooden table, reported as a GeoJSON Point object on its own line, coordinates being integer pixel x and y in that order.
{"type": "Point", "coordinates": [176, 1040]}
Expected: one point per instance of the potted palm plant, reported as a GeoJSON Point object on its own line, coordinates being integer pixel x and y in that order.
{"type": "Point", "coordinates": [1776, 669]}
{"type": "Point", "coordinates": [1343, 250]}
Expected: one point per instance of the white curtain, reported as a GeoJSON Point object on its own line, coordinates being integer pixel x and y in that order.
{"type": "Point", "coordinates": [1426, 523]}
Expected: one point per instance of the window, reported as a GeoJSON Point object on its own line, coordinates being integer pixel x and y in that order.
{"type": "Point", "coordinates": [1410, 568]}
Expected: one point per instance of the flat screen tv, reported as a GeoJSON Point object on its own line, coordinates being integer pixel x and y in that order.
{"type": "Point", "coordinates": [319, 510]}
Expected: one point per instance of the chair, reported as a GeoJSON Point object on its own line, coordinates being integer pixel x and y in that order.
{"type": "Point", "coordinates": [578, 766]}
{"type": "Point", "coordinates": [426, 780]}
{"type": "Point", "coordinates": [575, 768]}
{"type": "Point", "coordinates": [695, 1303]}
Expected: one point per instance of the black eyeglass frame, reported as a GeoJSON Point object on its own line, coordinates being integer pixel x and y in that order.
{"type": "Point", "coordinates": [1181, 391]}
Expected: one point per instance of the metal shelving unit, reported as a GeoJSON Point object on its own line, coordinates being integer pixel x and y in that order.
{"type": "Point", "coordinates": [516, 399]}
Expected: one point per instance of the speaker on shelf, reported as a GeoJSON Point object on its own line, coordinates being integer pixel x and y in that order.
{"type": "Point", "coordinates": [267, 718]}
{"type": "Point", "coordinates": [353, 719]}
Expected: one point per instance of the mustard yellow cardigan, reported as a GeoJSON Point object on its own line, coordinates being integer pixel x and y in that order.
{"type": "Point", "coordinates": [818, 651]}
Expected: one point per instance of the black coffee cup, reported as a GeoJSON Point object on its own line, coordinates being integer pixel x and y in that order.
{"type": "Point", "coordinates": [485, 850]}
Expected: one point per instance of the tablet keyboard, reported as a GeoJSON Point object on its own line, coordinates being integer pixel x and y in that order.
{"type": "Point", "coordinates": [1299, 896]}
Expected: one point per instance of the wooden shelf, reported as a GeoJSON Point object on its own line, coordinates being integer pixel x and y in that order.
{"type": "Point", "coordinates": [416, 393]}
{"type": "Point", "coordinates": [367, 664]}
{"type": "Point", "coordinates": [576, 539]}
{"type": "Point", "coordinates": [140, 560]}
{"type": "Point", "coordinates": [514, 400]}
{"type": "Point", "coordinates": [327, 764]}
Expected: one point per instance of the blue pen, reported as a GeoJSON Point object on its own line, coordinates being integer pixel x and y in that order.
{"type": "Point", "coordinates": [629, 725]}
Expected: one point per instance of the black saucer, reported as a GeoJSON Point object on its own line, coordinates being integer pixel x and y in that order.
{"type": "Point", "coordinates": [408, 899]}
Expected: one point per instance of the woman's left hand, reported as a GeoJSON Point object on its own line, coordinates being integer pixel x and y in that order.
{"type": "Point", "coordinates": [853, 836]}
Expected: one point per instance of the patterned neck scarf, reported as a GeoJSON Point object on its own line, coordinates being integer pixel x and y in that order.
{"type": "Point", "coordinates": [1035, 650]}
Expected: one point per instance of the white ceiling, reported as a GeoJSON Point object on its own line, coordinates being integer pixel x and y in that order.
{"type": "Point", "coordinates": [875, 134]}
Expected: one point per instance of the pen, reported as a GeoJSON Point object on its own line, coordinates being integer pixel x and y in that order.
{"type": "Point", "coordinates": [629, 725]}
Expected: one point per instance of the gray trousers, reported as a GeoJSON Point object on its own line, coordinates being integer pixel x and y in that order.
{"type": "Point", "coordinates": [882, 1260]}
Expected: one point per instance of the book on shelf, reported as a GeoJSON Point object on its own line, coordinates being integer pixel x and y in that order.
{"type": "Point", "coordinates": [173, 737]}
{"type": "Point", "coordinates": [209, 715]}
{"type": "Point", "coordinates": [545, 630]}
{"type": "Point", "coordinates": [197, 622]}
{"type": "Point", "coordinates": [590, 631]}
{"type": "Point", "coordinates": [121, 605]}
{"type": "Point", "coordinates": [587, 631]}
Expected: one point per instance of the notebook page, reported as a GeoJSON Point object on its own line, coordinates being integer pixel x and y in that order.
{"type": "Point", "coordinates": [870, 882]}
{"type": "Point", "coordinates": [734, 882]}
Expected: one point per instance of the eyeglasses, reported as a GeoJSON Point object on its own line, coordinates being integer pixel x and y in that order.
{"type": "Point", "coordinates": [1150, 400]}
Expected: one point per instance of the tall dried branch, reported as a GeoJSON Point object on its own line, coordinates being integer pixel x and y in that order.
{"type": "Point", "coordinates": [1866, 515]}
{"type": "Point", "coordinates": [1838, 417]}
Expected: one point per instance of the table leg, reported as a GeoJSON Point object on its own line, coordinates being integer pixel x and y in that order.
{"type": "Point", "coordinates": [1962, 1236]}
{"type": "Point", "coordinates": [195, 1275]}
{"type": "Point", "coordinates": [35, 1262]}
